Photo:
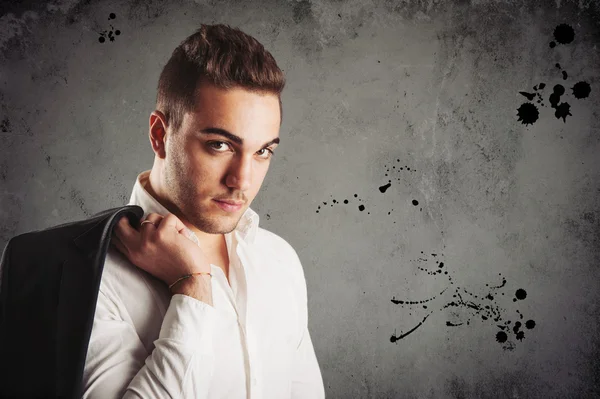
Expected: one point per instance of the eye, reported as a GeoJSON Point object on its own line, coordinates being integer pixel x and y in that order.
{"type": "Point", "coordinates": [214, 144]}
{"type": "Point", "coordinates": [270, 152]}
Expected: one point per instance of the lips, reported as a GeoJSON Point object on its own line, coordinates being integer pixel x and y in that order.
{"type": "Point", "coordinates": [228, 207]}
{"type": "Point", "coordinates": [235, 203]}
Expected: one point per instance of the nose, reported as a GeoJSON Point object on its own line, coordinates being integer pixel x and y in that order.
{"type": "Point", "coordinates": [239, 176]}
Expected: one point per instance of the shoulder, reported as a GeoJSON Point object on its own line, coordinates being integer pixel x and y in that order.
{"type": "Point", "coordinates": [282, 256]}
{"type": "Point", "coordinates": [279, 247]}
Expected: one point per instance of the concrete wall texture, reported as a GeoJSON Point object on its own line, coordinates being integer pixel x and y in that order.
{"type": "Point", "coordinates": [439, 172]}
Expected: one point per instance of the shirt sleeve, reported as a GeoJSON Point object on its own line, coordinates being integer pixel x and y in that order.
{"type": "Point", "coordinates": [306, 375]}
{"type": "Point", "coordinates": [180, 365]}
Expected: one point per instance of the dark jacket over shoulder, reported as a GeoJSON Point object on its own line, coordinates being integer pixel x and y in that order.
{"type": "Point", "coordinates": [48, 292]}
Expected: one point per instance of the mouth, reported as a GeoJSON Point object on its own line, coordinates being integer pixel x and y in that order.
{"type": "Point", "coordinates": [229, 206]}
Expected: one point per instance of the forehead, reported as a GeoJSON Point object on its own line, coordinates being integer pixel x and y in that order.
{"type": "Point", "coordinates": [238, 110]}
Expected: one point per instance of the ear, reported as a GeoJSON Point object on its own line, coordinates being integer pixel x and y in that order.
{"type": "Point", "coordinates": [158, 133]}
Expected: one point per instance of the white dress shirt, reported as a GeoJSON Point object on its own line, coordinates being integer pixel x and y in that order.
{"type": "Point", "coordinates": [252, 343]}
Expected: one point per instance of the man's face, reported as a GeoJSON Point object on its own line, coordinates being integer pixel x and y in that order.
{"type": "Point", "coordinates": [202, 165]}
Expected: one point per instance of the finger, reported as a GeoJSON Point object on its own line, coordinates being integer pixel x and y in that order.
{"type": "Point", "coordinates": [153, 218]}
{"type": "Point", "coordinates": [173, 221]}
{"type": "Point", "coordinates": [117, 244]}
{"type": "Point", "coordinates": [125, 232]}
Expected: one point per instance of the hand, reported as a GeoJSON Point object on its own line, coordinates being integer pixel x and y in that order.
{"type": "Point", "coordinates": [162, 248]}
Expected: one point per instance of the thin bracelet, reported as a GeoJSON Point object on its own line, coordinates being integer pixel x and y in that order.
{"type": "Point", "coordinates": [188, 276]}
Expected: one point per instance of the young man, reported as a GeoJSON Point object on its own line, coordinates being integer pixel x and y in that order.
{"type": "Point", "coordinates": [237, 327]}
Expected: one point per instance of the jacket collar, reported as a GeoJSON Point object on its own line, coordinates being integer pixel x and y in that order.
{"type": "Point", "coordinates": [97, 229]}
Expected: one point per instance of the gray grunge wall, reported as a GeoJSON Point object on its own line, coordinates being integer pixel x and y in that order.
{"type": "Point", "coordinates": [439, 171]}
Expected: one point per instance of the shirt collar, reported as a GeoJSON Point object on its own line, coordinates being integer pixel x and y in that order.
{"type": "Point", "coordinates": [246, 228]}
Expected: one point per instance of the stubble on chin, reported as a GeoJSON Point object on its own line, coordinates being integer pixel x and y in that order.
{"type": "Point", "coordinates": [212, 222]}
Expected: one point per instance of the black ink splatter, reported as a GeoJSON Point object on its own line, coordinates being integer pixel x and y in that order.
{"type": "Point", "coordinates": [581, 90]}
{"type": "Point", "coordinates": [537, 93]}
{"type": "Point", "coordinates": [482, 306]}
{"type": "Point", "coordinates": [564, 73]}
{"type": "Point", "coordinates": [530, 96]}
{"type": "Point", "coordinates": [336, 202]}
{"type": "Point", "coordinates": [516, 327]}
{"type": "Point", "coordinates": [528, 113]}
{"type": "Point", "coordinates": [521, 294]}
{"type": "Point", "coordinates": [110, 34]}
{"type": "Point", "coordinates": [415, 202]}
{"type": "Point", "coordinates": [501, 336]}
{"type": "Point", "coordinates": [564, 34]}
{"type": "Point", "coordinates": [384, 188]}
{"type": "Point", "coordinates": [557, 91]}
{"type": "Point", "coordinates": [520, 314]}
{"type": "Point", "coordinates": [562, 111]}
{"type": "Point", "coordinates": [530, 324]}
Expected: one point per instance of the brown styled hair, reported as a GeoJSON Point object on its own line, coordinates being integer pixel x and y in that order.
{"type": "Point", "coordinates": [221, 55]}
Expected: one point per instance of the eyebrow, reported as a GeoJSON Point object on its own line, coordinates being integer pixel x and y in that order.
{"type": "Point", "coordinates": [236, 139]}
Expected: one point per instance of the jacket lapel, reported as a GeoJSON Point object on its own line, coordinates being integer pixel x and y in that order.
{"type": "Point", "coordinates": [79, 284]}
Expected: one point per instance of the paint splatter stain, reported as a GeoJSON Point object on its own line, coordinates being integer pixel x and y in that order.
{"type": "Point", "coordinates": [346, 201]}
{"type": "Point", "coordinates": [564, 73]}
{"type": "Point", "coordinates": [530, 324]}
{"type": "Point", "coordinates": [109, 34]}
{"type": "Point", "coordinates": [581, 90]}
{"type": "Point", "coordinates": [529, 96]}
{"type": "Point", "coordinates": [501, 336]}
{"type": "Point", "coordinates": [562, 111]}
{"type": "Point", "coordinates": [384, 188]}
{"type": "Point", "coordinates": [528, 113]}
{"type": "Point", "coordinates": [483, 306]}
{"type": "Point", "coordinates": [557, 91]}
{"type": "Point", "coordinates": [564, 34]}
